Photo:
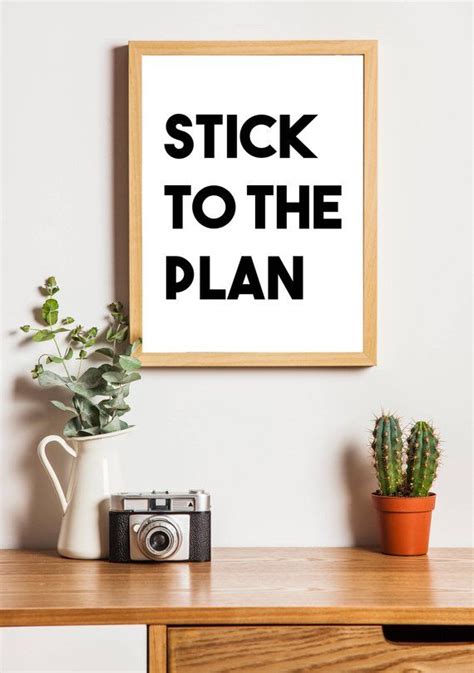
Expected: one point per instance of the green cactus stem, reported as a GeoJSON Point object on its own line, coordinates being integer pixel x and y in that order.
{"type": "Point", "coordinates": [422, 459]}
{"type": "Point", "coordinates": [387, 445]}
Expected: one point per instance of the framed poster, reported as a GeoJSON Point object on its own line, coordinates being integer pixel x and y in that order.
{"type": "Point", "coordinates": [253, 203]}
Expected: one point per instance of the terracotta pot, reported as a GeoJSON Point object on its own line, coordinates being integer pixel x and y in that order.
{"type": "Point", "coordinates": [404, 523]}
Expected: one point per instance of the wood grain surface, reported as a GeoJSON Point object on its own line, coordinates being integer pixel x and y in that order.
{"type": "Point", "coordinates": [157, 649]}
{"type": "Point", "coordinates": [294, 649]}
{"type": "Point", "coordinates": [240, 586]}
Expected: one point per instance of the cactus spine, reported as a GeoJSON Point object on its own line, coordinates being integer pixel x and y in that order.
{"type": "Point", "coordinates": [422, 459]}
{"type": "Point", "coordinates": [387, 445]}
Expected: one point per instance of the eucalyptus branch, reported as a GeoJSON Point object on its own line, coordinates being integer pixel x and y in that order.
{"type": "Point", "coordinates": [97, 394]}
{"type": "Point", "coordinates": [62, 358]}
{"type": "Point", "coordinates": [79, 369]}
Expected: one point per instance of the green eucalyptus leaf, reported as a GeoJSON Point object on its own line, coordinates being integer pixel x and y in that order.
{"type": "Point", "coordinates": [72, 427]}
{"type": "Point", "coordinates": [49, 311]}
{"type": "Point", "coordinates": [79, 389]}
{"type": "Point", "coordinates": [62, 406]}
{"type": "Point", "coordinates": [82, 354]}
{"type": "Point", "coordinates": [114, 376]}
{"type": "Point", "coordinates": [69, 354]}
{"type": "Point", "coordinates": [104, 416]}
{"type": "Point", "coordinates": [121, 378]}
{"type": "Point", "coordinates": [115, 307]}
{"type": "Point", "coordinates": [54, 358]}
{"type": "Point", "coordinates": [75, 332]}
{"type": "Point", "coordinates": [91, 377]}
{"type": "Point", "coordinates": [67, 321]}
{"type": "Point", "coordinates": [25, 328]}
{"type": "Point", "coordinates": [36, 371]}
{"type": "Point", "coordinates": [129, 363]}
{"type": "Point", "coordinates": [88, 432]}
{"type": "Point", "coordinates": [105, 389]}
{"type": "Point", "coordinates": [102, 387]}
{"type": "Point", "coordinates": [47, 379]}
{"type": "Point", "coordinates": [136, 345]}
{"type": "Point", "coordinates": [43, 335]}
{"type": "Point", "coordinates": [116, 404]}
{"type": "Point", "coordinates": [133, 376]}
{"type": "Point", "coordinates": [114, 425]}
{"type": "Point", "coordinates": [121, 334]}
{"type": "Point", "coordinates": [116, 336]}
{"type": "Point", "coordinates": [105, 351]}
{"type": "Point", "coordinates": [133, 347]}
{"type": "Point", "coordinates": [87, 410]}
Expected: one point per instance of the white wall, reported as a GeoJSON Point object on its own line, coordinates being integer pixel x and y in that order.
{"type": "Point", "coordinates": [284, 452]}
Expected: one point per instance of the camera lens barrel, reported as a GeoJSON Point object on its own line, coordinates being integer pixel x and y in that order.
{"type": "Point", "coordinates": [159, 537]}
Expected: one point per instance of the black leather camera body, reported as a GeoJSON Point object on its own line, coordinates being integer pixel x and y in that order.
{"type": "Point", "coordinates": [160, 526]}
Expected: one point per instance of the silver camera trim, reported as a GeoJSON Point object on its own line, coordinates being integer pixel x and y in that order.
{"type": "Point", "coordinates": [138, 522]}
{"type": "Point", "coordinates": [153, 525]}
{"type": "Point", "coordinates": [170, 501]}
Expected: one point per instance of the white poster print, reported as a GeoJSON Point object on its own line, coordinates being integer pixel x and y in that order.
{"type": "Point", "coordinates": [252, 203]}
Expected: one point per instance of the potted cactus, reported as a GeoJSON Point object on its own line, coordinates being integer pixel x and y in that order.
{"type": "Point", "coordinates": [405, 473]}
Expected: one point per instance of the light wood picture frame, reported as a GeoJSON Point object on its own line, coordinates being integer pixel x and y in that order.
{"type": "Point", "coordinates": [363, 356]}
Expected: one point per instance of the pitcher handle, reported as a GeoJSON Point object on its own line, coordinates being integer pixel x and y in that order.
{"type": "Point", "coordinates": [49, 468]}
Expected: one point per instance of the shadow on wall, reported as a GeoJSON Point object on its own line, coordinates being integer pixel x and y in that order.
{"type": "Point", "coordinates": [120, 171]}
{"type": "Point", "coordinates": [360, 483]}
{"type": "Point", "coordinates": [37, 524]}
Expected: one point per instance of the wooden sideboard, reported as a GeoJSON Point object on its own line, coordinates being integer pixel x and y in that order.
{"type": "Point", "coordinates": [262, 610]}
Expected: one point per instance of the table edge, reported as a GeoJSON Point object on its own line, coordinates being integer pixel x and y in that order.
{"type": "Point", "coordinates": [237, 616]}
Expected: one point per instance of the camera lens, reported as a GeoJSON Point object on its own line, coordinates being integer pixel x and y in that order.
{"type": "Point", "coordinates": [159, 537]}
{"type": "Point", "coordinates": [159, 541]}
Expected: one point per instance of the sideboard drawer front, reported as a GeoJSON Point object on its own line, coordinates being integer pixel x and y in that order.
{"type": "Point", "coordinates": [73, 649]}
{"type": "Point", "coordinates": [293, 649]}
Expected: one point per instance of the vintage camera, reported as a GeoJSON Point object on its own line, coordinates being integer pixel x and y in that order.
{"type": "Point", "coordinates": [160, 526]}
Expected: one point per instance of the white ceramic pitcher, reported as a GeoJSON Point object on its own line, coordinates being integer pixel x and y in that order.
{"type": "Point", "coordinates": [95, 474]}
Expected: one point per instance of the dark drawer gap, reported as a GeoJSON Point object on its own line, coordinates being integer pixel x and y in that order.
{"type": "Point", "coordinates": [408, 633]}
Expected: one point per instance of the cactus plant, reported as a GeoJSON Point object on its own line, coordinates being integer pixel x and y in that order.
{"type": "Point", "coordinates": [387, 445]}
{"type": "Point", "coordinates": [422, 459]}
{"type": "Point", "coordinates": [404, 470]}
